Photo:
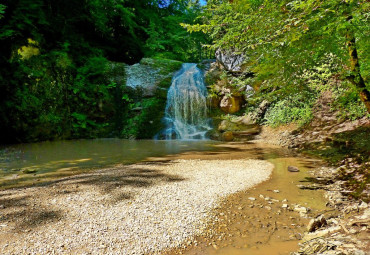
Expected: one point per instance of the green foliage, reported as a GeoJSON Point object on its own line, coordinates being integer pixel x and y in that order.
{"type": "Point", "coordinates": [2, 10]}
{"type": "Point", "coordinates": [295, 49]}
{"type": "Point", "coordinates": [144, 119]}
{"type": "Point", "coordinates": [167, 39]}
{"type": "Point", "coordinates": [64, 87]}
{"type": "Point", "coordinates": [292, 109]}
{"type": "Point", "coordinates": [350, 106]}
{"type": "Point", "coordinates": [284, 39]}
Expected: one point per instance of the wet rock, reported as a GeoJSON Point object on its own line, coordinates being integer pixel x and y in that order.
{"type": "Point", "coordinates": [300, 209]}
{"type": "Point", "coordinates": [224, 125]}
{"type": "Point", "coordinates": [227, 136]}
{"type": "Point", "coordinates": [316, 223]}
{"type": "Point", "coordinates": [240, 127]}
{"type": "Point", "coordinates": [293, 169]}
{"type": "Point", "coordinates": [321, 233]}
{"type": "Point", "coordinates": [245, 120]}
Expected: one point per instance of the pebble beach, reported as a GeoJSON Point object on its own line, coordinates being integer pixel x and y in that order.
{"type": "Point", "coordinates": [143, 208]}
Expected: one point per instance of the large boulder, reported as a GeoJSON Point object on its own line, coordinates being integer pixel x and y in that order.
{"type": "Point", "coordinates": [145, 85]}
{"type": "Point", "coordinates": [240, 128]}
{"type": "Point", "coordinates": [231, 104]}
{"type": "Point", "coordinates": [151, 76]}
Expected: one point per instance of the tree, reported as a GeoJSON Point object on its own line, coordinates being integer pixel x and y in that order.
{"type": "Point", "coordinates": [283, 38]}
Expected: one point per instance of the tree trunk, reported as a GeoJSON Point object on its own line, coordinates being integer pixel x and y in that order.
{"type": "Point", "coordinates": [355, 76]}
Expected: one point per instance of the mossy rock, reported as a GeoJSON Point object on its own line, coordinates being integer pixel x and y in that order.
{"type": "Point", "coordinates": [165, 83]}
{"type": "Point", "coordinates": [29, 171]}
{"type": "Point", "coordinates": [165, 66]}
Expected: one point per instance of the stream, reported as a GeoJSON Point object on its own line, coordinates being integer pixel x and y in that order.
{"type": "Point", "coordinates": [243, 226]}
{"type": "Point", "coordinates": [36, 163]}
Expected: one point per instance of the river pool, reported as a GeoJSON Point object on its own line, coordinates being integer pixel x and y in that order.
{"type": "Point", "coordinates": [27, 164]}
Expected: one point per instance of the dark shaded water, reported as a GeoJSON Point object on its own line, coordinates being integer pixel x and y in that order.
{"type": "Point", "coordinates": [26, 163]}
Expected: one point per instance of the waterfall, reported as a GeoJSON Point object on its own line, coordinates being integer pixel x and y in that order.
{"type": "Point", "coordinates": [186, 108]}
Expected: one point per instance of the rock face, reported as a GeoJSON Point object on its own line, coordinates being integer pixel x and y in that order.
{"type": "Point", "coordinates": [145, 84]}
{"type": "Point", "coordinates": [151, 75]}
{"type": "Point", "coordinates": [231, 104]}
{"type": "Point", "coordinates": [238, 128]}
{"type": "Point", "coordinates": [231, 61]}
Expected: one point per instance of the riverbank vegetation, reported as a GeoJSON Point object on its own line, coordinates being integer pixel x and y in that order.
{"type": "Point", "coordinates": [55, 59]}
{"type": "Point", "coordinates": [58, 76]}
{"type": "Point", "coordinates": [292, 52]}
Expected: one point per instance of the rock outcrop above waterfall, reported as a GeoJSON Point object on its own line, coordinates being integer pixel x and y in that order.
{"type": "Point", "coordinates": [145, 86]}
{"type": "Point", "coordinates": [151, 76]}
{"type": "Point", "coordinates": [231, 61]}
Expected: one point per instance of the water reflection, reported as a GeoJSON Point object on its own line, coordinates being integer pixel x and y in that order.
{"type": "Point", "coordinates": [79, 155]}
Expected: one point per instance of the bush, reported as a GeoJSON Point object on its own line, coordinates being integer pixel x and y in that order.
{"type": "Point", "coordinates": [293, 109]}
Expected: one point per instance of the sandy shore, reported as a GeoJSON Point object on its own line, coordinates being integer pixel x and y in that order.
{"type": "Point", "coordinates": [136, 209]}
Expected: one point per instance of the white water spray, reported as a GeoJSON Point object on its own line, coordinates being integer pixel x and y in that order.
{"type": "Point", "coordinates": [186, 108]}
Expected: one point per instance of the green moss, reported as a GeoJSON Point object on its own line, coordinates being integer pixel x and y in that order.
{"type": "Point", "coordinates": [29, 171]}
{"type": "Point", "coordinates": [165, 66]}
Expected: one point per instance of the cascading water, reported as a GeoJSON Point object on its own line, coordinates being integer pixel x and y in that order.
{"type": "Point", "coordinates": [186, 108]}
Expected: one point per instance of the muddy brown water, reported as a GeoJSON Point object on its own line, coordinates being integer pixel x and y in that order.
{"type": "Point", "coordinates": [238, 226]}
{"type": "Point", "coordinates": [37, 163]}
{"type": "Point", "coordinates": [259, 227]}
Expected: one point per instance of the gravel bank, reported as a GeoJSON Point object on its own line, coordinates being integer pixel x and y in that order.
{"type": "Point", "coordinates": [136, 209]}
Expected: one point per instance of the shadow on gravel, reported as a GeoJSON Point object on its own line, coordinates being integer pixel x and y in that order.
{"type": "Point", "coordinates": [111, 179]}
{"type": "Point", "coordinates": [26, 219]}
{"type": "Point", "coordinates": [26, 212]}
{"type": "Point", "coordinates": [24, 215]}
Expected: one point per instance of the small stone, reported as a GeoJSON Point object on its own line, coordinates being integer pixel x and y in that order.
{"type": "Point", "coordinates": [363, 205]}
{"type": "Point", "coordinates": [276, 191]}
{"type": "Point", "coordinates": [301, 209]}
{"type": "Point", "coordinates": [228, 136]}
{"type": "Point", "coordinates": [321, 233]}
{"type": "Point", "coordinates": [285, 206]}
{"type": "Point", "coordinates": [353, 231]}
{"type": "Point", "coordinates": [252, 198]}
{"type": "Point", "coordinates": [293, 169]}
